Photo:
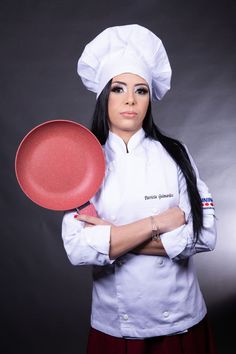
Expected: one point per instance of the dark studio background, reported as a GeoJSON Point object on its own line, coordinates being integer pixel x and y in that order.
{"type": "Point", "coordinates": [45, 301]}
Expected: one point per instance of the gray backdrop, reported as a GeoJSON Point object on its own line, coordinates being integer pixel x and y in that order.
{"type": "Point", "coordinates": [45, 301]}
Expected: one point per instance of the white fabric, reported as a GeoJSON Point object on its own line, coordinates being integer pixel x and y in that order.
{"type": "Point", "coordinates": [139, 295]}
{"type": "Point", "coordinates": [125, 49]}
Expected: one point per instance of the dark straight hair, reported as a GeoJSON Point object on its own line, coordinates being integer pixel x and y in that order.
{"type": "Point", "coordinates": [175, 148]}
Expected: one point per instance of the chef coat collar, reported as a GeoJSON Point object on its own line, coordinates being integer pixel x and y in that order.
{"type": "Point", "coordinates": [117, 145]}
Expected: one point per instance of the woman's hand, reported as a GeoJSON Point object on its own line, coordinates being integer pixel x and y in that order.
{"type": "Point", "coordinates": [91, 220]}
{"type": "Point", "coordinates": [170, 219]}
{"type": "Point", "coordinates": [151, 248]}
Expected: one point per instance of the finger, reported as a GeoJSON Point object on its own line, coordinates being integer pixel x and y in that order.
{"type": "Point", "coordinates": [88, 225]}
{"type": "Point", "coordinates": [90, 219]}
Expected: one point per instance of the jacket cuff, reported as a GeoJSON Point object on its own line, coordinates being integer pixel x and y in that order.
{"type": "Point", "coordinates": [98, 237]}
{"type": "Point", "coordinates": [175, 241]}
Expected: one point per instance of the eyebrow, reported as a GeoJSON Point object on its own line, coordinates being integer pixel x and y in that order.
{"type": "Point", "coordinates": [124, 83]}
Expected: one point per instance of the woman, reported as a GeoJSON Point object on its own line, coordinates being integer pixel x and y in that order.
{"type": "Point", "coordinates": [154, 212]}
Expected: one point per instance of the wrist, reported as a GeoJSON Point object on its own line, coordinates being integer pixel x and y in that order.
{"type": "Point", "coordinates": [155, 233]}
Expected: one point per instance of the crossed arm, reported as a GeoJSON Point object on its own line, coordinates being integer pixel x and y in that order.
{"type": "Point", "coordinates": [136, 236]}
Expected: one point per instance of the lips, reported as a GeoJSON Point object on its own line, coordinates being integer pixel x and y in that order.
{"type": "Point", "coordinates": [129, 114]}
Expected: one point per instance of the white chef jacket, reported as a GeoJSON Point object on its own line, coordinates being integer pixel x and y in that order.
{"type": "Point", "coordinates": [136, 295]}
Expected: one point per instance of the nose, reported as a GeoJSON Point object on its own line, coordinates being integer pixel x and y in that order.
{"type": "Point", "coordinates": [130, 98]}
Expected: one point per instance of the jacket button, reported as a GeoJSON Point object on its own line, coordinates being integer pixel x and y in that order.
{"type": "Point", "coordinates": [166, 314]}
{"type": "Point", "coordinates": [125, 317]}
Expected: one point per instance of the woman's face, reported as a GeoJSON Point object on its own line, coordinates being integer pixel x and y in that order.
{"type": "Point", "coordinates": [127, 104]}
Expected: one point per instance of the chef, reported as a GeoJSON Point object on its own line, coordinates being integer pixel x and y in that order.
{"type": "Point", "coordinates": [154, 211]}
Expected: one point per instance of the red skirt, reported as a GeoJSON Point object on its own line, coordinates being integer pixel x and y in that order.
{"type": "Point", "coordinates": [198, 340]}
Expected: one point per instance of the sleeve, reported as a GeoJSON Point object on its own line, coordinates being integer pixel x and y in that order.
{"type": "Point", "coordinates": [85, 245]}
{"type": "Point", "coordinates": [179, 243]}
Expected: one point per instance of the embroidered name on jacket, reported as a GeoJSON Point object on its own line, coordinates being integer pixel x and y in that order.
{"type": "Point", "coordinates": [146, 197]}
{"type": "Point", "coordinates": [160, 196]}
{"type": "Point", "coordinates": [170, 195]}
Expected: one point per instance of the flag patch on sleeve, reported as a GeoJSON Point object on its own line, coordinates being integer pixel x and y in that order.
{"type": "Point", "coordinates": [207, 203]}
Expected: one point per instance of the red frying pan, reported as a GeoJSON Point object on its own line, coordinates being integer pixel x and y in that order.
{"type": "Point", "coordinates": [60, 165]}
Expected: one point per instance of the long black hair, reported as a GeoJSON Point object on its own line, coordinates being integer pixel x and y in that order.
{"type": "Point", "coordinates": [175, 148]}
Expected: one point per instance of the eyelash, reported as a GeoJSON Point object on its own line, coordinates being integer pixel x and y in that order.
{"type": "Point", "coordinates": [120, 89]}
{"type": "Point", "coordinates": [142, 91]}
{"type": "Point", "coordinates": [116, 89]}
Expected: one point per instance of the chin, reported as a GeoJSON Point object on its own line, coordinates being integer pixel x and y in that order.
{"type": "Point", "coordinates": [131, 127]}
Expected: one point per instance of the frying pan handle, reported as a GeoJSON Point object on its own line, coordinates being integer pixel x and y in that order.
{"type": "Point", "coordinates": [87, 209]}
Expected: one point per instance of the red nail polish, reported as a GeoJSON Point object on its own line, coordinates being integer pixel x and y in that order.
{"type": "Point", "coordinates": [75, 216]}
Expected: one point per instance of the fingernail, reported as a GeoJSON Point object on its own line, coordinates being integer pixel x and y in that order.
{"type": "Point", "coordinates": [75, 216]}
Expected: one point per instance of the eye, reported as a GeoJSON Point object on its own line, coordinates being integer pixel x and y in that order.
{"type": "Point", "coordinates": [143, 90]}
{"type": "Point", "coordinates": [117, 89]}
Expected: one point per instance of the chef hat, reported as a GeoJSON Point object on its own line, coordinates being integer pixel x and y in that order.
{"type": "Point", "coordinates": [125, 49]}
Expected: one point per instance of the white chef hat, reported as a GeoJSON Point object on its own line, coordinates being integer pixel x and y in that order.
{"type": "Point", "coordinates": [125, 49]}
